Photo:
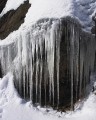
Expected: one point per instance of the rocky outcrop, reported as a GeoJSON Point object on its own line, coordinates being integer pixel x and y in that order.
{"type": "Point", "coordinates": [2, 4]}
{"type": "Point", "coordinates": [12, 20]}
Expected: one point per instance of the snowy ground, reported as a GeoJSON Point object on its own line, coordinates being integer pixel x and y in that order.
{"type": "Point", "coordinates": [12, 107]}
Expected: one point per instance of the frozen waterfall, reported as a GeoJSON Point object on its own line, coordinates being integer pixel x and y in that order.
{"type": "Point", "coordinates": [51, 61]}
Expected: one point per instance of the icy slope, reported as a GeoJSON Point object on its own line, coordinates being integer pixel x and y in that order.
{"type": "Point", "coordinates": [12, 107]}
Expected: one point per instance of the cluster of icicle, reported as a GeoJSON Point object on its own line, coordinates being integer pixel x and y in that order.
{"type": "Point", "coordinates": [26, 56]}
{"type": "Point", "coordinates": [35, 54]}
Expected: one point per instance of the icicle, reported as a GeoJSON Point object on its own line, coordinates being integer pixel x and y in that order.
{"type": "Point", "coordinates": [3, 60]}
{"type": "Point", "coordinates": [52, 38]}
{"type": "Point", "coordinates": [40, 83]}
{"type": "Point", "coordinates": [45, 83]}
{"type": "Point", "coordinates": [41, 67]}
{"type": "Point", "coordinates": [31, 80]}
{"type": "Point", "coordinates": [81, 69]}
{"type": "Point", "coordinates": [37, 67]}
{"type": "Point", "coordinates": [45, 75]}
{"type": "Point", "coordinates": [77, 59]}
{"type": "Point", "coordinates": [31, 71]}
{"type": "Point", "coordinates": [72, 62]}
{"type": "Point", "coordinates": [19, 41]}
{"type": "Point", "coordinates": [57, 64]}
{"type": "Point", "coordinates": [24, 83]}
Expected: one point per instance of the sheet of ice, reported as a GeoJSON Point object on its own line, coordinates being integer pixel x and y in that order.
{"type": "Point", "coordinates": [12, 107]}
{"type": "Point", "coordinates": [11, 4]}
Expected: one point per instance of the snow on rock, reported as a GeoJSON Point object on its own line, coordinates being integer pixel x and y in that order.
{"type": "Point", "coordinates": [11, 4]}
{"type": "Point", "coordinates": [49, 8]}
{"type": "Point", "coordinates": [80, 9]}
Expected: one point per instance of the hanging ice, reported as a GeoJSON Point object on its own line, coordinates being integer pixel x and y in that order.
{"type": "Point", "coordinates": [47, 57]}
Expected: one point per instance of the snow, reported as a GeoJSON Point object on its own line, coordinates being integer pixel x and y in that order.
{"type": "Point", "coordinates": [12, 107]}
{"type": "Point", "coordinates": [82, 10]}
{"type": "Point", "coordinates": [11, 5]}
{"type": "Point", "coordinates": [49, 8]}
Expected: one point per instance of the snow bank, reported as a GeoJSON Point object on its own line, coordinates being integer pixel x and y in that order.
{"type": "Point", "coordinates": [12, 107]}
{"type": "Point", "coordinates": [7, 87]}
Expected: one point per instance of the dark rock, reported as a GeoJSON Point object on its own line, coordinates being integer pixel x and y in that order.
{"type": "Point", "coordinates": [94, 18]}
{"type": "Point", "coordinates": [93, 30]}
{"type": "Point", "coordinates": [2, 4]}
{"type": "Point", "coordinates": [13, 19]}
{"type": "Point", "coordinates": [0, 71]}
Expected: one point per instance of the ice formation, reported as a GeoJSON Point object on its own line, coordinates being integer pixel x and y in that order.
{"type": "Point", "coordinates": [33, 52]}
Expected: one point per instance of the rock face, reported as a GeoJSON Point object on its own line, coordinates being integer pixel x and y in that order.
{"type": "Point", "coordinates": [13, 19]}
{"type": "Point", "coordinates": [2, 4]}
